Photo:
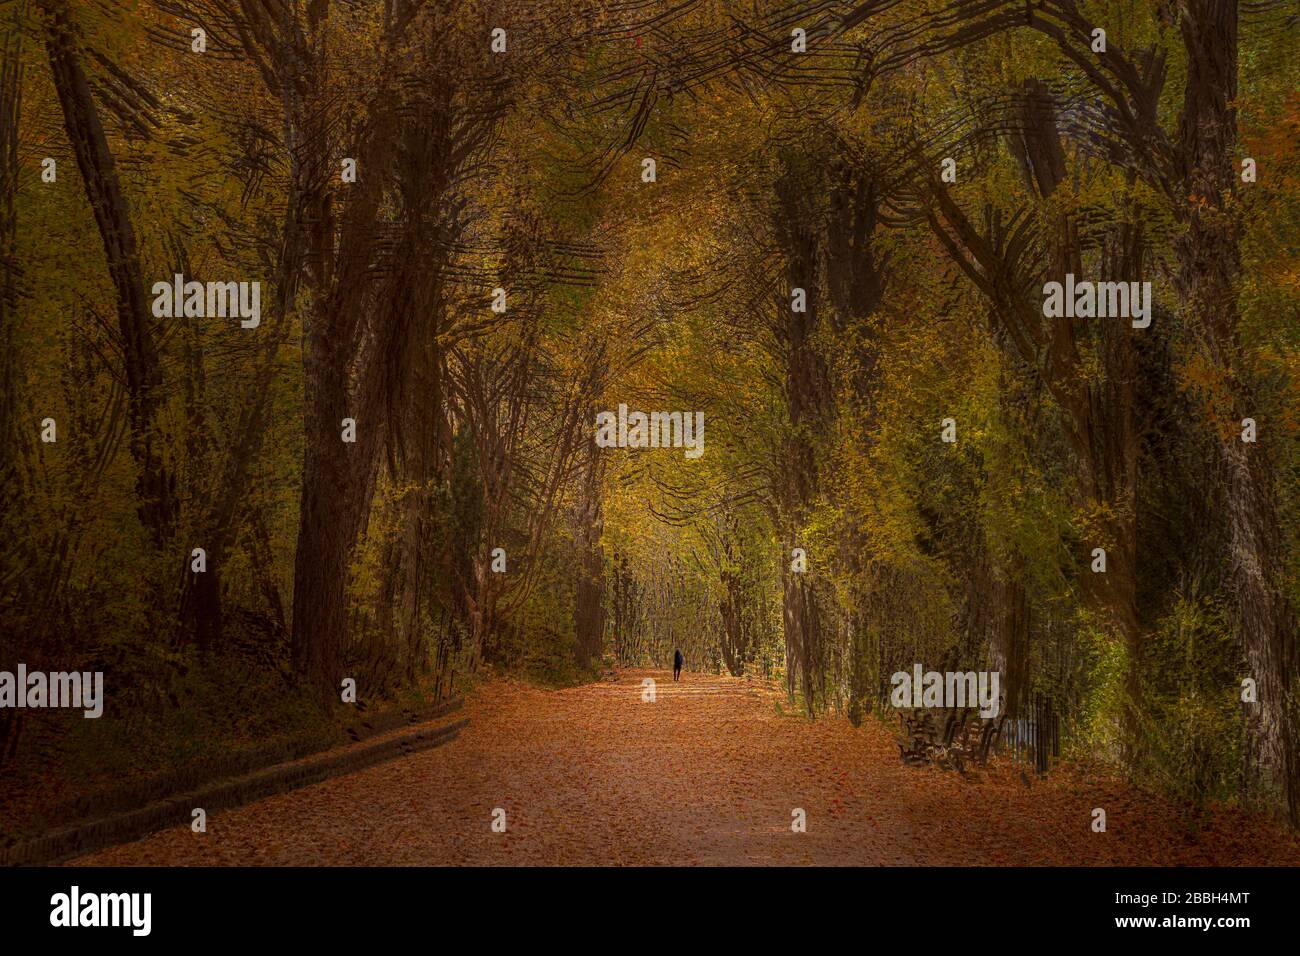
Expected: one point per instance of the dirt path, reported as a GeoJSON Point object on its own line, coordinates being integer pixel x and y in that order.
{"type": "Point", "coordinates": [708, 773]}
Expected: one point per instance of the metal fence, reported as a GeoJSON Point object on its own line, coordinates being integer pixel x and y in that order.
{"type": "Point", "coordinates": [1035, 736]}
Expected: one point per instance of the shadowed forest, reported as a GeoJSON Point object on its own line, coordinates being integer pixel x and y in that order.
{"type": "Point", "coordinates": [331, 333]}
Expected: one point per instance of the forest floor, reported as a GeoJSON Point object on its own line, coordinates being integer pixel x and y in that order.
{"type": "Point", "coordinates": [709, 773]}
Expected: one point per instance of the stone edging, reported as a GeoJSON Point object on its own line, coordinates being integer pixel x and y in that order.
{"type": "Point", "coordinates": [78, 839]}
{"type": "Point", "coordinates": [236, 763]}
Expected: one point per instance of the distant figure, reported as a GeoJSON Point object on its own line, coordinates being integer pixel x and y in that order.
{"type": "Point", "coordinates": [678, 660]}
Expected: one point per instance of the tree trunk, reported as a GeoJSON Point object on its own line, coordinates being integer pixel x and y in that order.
{"type": "Point", "coordinates": [154, 485]}
{"type": "Point", "coordinates": [1009, 633]}
{"type": "Point", "coordinates": [330, 516]}
{"type": "Point", "coordinates": [1209, 262]}
{"type": "Point", "coordinates": [807, 399]}
{"type": "Point", "coordinates": [589, 591]}
{"type": "Point", "coordinates": [10, 110]}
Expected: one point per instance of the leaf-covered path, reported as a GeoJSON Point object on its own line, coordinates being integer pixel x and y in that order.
{"type": "Point", "coordinates": [706, 774]}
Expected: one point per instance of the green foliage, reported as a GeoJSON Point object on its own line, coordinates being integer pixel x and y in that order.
{"type": "Point", "coordinates": [672, 295]}
{"type": "Point", "coordinates": [1191, 679]}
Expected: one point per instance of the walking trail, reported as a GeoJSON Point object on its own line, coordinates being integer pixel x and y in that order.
{"type": "Point", "coordinates": [708, 773]}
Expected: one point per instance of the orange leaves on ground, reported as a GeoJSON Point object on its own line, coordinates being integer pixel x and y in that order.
{"type": "Point", "coordinates": [707, 774]}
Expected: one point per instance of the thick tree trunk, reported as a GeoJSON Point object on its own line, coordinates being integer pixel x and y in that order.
{"type": "Point", "coordinates": [1209, 262]}
{"type": "Point", "coordinates": [802, 639]}
{"type": "Point", "coordinates": [996, 616]}
{"type": "Point", "coordinates": [330, 518]}
{"type": "Point", "coordinates": [420, 468]}
{"type": "Point", "coordinates": [338, 477]}
{"type": "Point", "coordinates": [807, 398]}
{"type": "Point", "coordinates": [352, 341]}
{"type": "Point", "coordinates": [737, 633]}
{"type": "Point", "coordinates": [13, 445]}
{"type": "Point", "coordinates": [1009, 634]}
{"type": "Point", "coordinates": [10, 109]}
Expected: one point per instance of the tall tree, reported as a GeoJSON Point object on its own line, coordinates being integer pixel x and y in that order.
{"type": "Point", "coordinates": [155, 485]}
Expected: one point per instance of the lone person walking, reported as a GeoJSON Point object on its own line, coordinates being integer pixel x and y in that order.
{"type": "Point", "coordinates": [678, 660]}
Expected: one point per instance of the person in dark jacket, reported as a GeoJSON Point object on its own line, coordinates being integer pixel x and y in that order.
{"type": "Point", "coordinates": [678, 661]}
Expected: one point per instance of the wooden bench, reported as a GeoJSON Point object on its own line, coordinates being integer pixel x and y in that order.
{"type": "Point", "coordinates": [950, 738]}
